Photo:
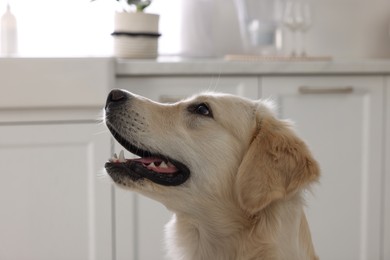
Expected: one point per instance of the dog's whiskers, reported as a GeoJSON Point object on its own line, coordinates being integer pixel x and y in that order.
{"type": "Point", "coordinates": [100, 132]}
{"type": "Point", "coordinates": [103, 176]}
{"type": "Point", "coordinates": [217, 81]}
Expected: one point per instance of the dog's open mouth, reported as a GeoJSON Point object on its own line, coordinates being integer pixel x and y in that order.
{"type": "Point", "coordinates": [157, 168]}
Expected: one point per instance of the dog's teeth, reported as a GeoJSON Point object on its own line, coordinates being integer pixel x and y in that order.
{"type": "Point", "coordinates": [114, 158]}
{"type": "Point", "coordinates": [163, 165]}
{"type": "Point", "coordinates": [122, 157]}
{"type": "Point", "coordinates": [152, 165]}
{"type": "Point", "coordinates": [170, 165]}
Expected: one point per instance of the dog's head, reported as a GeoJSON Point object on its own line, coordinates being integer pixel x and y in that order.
{"type": "Point", "coordinates": [210, 146]}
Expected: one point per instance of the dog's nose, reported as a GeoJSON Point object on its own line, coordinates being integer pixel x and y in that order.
{"type": "Point", "coordinates": [117, 96]}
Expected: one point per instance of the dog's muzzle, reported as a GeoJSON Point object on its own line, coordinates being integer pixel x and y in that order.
{"type": "Point", "coordinates": [158, 168]}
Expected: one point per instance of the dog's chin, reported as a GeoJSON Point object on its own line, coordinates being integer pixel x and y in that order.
{"type": "Point", "coordinates": [157, 168]}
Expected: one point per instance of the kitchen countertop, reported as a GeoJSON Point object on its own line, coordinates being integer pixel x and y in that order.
{"type": "Point", "coordinates": [183, 67]}
{"type": "Point", "coordinates": [69, 83]}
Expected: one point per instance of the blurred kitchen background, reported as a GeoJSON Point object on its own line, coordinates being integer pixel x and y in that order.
{"type": "Point", "coordinates": [326, 64]}
{"type": "Point", "coordinates": [201, 28]}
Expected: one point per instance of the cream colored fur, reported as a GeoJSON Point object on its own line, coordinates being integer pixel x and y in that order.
{"type": "Point", "coordinates": [248, 170]}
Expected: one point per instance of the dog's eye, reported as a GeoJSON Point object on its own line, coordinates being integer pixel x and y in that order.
{"type": "Point", "coordinates": [202, 109]}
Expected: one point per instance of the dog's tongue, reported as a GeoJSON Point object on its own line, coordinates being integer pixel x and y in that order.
{"type": "Point", "coordinates": [157, 165]}
{"type": "Point", "coordinates": [148, 160]}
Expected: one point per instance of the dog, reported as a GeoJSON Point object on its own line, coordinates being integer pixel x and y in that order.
{"type": "Point", "coordinates": [232, 173]}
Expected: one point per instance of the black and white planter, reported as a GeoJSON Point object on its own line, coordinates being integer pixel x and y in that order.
{"type": "Point", "coordinates": [136, 35]}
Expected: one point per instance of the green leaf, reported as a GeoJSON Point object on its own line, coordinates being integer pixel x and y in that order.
{"type": "Point", "coordinates": [140, 4]}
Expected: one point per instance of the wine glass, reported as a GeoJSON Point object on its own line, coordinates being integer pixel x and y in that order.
{"type": "Point", "coordinates": [297, 18]}
{"type": "Point", "coordinates": [291, 23]}
{"type": "Point", "coordinates": [305, 22]}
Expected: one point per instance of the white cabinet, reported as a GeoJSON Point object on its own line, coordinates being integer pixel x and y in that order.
{"type": "Point", "coordinates": [52, 205]}
{"type": "Point", "coordinates": [342, 120]}
{"type": "Point", "coordinates": [140, 221]}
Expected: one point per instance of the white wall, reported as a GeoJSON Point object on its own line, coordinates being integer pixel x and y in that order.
{"type": "Point", "coordinates": [341, 28]}
{"type": "Point", "coordinates": [351, 28]}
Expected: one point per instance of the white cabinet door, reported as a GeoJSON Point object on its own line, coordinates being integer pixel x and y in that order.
{"type": "Point", "coordinates": [52, 204]}
{"type": "Point", "coordinates": [341, 118]}
{"type": "Point", "coordinates": [140, 221]}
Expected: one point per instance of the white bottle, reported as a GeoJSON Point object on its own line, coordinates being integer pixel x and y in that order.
{"type": "Point", "coordinates": [9, 34]}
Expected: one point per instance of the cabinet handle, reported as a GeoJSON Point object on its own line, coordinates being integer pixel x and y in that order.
{"type": "Point", "coordinates": [325, 90]}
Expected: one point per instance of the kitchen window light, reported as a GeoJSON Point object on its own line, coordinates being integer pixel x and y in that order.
{"type": "Point", "coordinates": [81, 27]}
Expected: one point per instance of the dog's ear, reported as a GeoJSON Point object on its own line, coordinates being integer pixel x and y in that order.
{"type": "Point", "coordinates": [276, 165]}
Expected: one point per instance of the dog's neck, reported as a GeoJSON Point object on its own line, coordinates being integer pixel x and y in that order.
{"type": "Point", "coordinates": [203, 234]}
{"type": "Point", "coordinates": [211, 232]}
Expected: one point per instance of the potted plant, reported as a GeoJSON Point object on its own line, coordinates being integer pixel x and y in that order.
{"type": "Point", "coordinates": [135, 32]}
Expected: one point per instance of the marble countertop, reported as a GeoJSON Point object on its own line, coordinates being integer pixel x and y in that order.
{"type": "Point", "coordinates": [182, 67]}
